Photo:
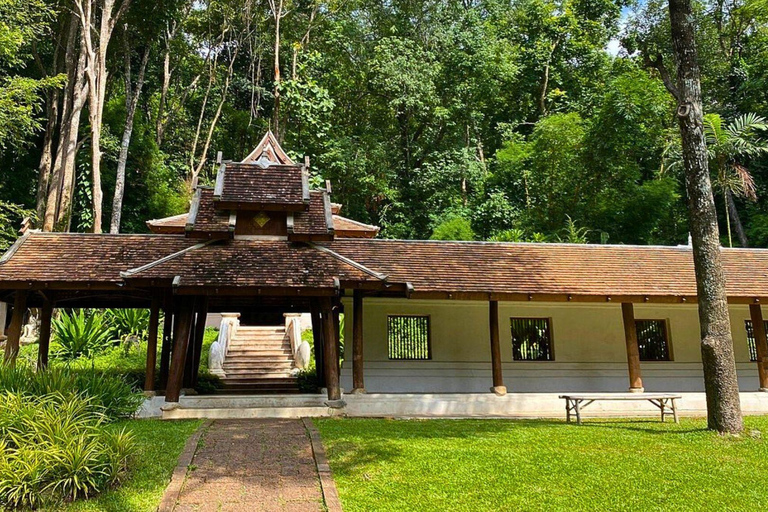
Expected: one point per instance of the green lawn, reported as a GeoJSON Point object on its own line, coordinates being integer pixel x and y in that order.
{"type": "Point", "coordinates": [159, 446]}
{"type": "Point", "coordinates": [545, 465]}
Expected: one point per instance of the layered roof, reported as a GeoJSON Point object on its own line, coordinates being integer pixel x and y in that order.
{"type": "Point", "coordinates": [252, 187]}
{"type": "Point", "coordinates": [314, 224]}
{"type": "Point", "coordinates": [552, 271]}
{"type": "Point", "coordinates": [422, 269]}
{"type": "Point", "coordinates": [205, 221]}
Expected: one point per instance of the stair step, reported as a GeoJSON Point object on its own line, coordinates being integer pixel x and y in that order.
{"type": "Point", "coordinates": [255, 374]}
{"type": "Point", "coordinates": [249, 379]}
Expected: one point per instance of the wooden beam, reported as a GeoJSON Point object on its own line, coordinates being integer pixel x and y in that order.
{"type": "Point", "coordinates": [358, 380]}
{"type": "Point", "coordinates": [633, 350]}
{"type": "Point", "coordinates": [761, 345]}
{"type": "Point", "coordinates": [165, 353]}
{"type": "Point", "coordinates": [317, 338]}
{"type": "Point", "coordinates": [330, 350]}
{"type": "Point", "coordinates": [44, 344]}
{"type": "Point", "coordinates": [493, 324]}
{"type": "Point", "coordinates": [181, 333]}
{"type": "Point", "coordinates": [154, 320]}
{"type": "Point", "coordinates": [14, 330]}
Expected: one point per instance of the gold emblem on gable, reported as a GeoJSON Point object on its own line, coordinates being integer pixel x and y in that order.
{"type": "Point", "coordinates": [261, 219]}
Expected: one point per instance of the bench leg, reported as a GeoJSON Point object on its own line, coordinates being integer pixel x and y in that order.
{"type": "Point", "coordinates": [674, 410]}
{"type": "Point", "coordinates": [663, 404]}
{"type": "Point", "coordinates": [567, 410]}
{"type": "Point", "coordinates": [578, 411]}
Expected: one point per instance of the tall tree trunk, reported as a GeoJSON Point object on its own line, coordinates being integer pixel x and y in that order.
{"type": "Point", "coordinates": [720, 381]}
{"type": "Point", "coordinates": [46, 158]}
{"type": "Point", "coordinates": [277, 13]}
{"type": "Point", "coordinates": [131, 102]}
{"type": "Point", "coordinates": [733, 213]}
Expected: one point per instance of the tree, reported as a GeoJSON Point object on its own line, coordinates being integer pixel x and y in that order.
{"type": "Point", "coordinates": [720, 380]}
{"type": "Point", "coordinates": [727, 145]}
{"type": "Point", "coordinates": [453, 228]}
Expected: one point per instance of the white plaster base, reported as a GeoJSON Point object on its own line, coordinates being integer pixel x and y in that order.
{"type": "Point", "coordinates": [438, 405]}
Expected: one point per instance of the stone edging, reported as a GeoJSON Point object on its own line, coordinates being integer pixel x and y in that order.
{"type": "Point", "coordinates": [172, 492]}
{"type": "Point", "coordinates": [327, 485]}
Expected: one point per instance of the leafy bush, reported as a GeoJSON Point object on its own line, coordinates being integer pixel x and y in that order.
{"type": "Point", "coordinates": [129, 326]}
{"type": "Point", "coordinates": [109, 395]}
{"type": "Point", "coordinates": [56, 448]}
{"type": "Point", "coordinates": [80, 334]}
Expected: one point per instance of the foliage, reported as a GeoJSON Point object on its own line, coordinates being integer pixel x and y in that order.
{"type": "Point", "coordinates": [381, 464]}
{"type": "Point", "coordinates": [453, 228]}
{"type": "Point", "coordinates": [158, 445]}
{"type": "Point", "coordinates": [55, 448]}
{"type": "Point", "coordinates": [11, 216]}
{"type": "Point", "coordinates": [80, 333]}
{"type": "Point", "coordinates": [107, 395]}
{"type": "Point", "coordinates": [128, 326]}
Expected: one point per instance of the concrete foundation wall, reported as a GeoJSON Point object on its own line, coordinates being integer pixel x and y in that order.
{"type": "Point", "coordinates": [588, 341]}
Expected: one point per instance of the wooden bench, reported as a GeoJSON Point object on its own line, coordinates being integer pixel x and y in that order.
{"type": "Point", "coordinates": [574, 403]}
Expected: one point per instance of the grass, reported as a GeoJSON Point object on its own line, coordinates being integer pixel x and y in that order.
{"type": "Point", "coordinates": [545, 465]}
{"type": "Point", "coordinates": [159, 445]}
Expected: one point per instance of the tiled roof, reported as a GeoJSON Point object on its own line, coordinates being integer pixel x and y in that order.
{"type": "Point", "coordinates": [254, 263]}
{"type": "Point", "coordinates": [80, 257]}
{"type": "Point", "coordinates": [555, 269]}
{"type": "Point", "coordinates": [249, 186]}
{"type": "Point", "coordinates": [316, 223]}
{"type": "Point", "coordinates": [205, 221]}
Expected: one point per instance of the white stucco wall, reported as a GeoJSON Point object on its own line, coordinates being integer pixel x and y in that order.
{"type": "Point", "coordinates": [588, 344]}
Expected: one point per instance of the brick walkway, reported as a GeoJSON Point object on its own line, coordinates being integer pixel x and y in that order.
{"type": "Point", "coordinates": [250, 465]}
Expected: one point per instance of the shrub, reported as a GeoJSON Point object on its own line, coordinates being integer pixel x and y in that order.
{"type": "Point", "coordinates": [108, 395]}
{"type": "Point", "coordinates": [56, 448]}
{"type": "Point", "coordinates": [128, 326]}
{"type": "Point", "coordinates": [79, 334]}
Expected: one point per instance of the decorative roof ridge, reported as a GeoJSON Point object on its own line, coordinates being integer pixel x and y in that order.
{"type": "Point", "coordinates": [348, 261]}
{"type": "Point", "coordinates": [357, 222]}
{"type": "Point", "coordinates": [16, 245]}
{"type": "Point", "coordinates": [180, 215]}
{"type": "Point", "coordinates": [327, 211]}
{"type": "Point", "coordinates": [133, 271]}
{"type": "Point", "coordinates": [268, 141]}
{"type": "Point", "coordinates": [193, 209]}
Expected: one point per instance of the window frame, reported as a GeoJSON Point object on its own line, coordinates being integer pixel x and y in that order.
{"type": "Point", "coordinates": [429, 337]}
{"type": "Point", "coordinates": [551, 340]}
{"type": "Point", "coordinates": [750, 333]}
{"type": "Point", "coordinates": [667, 339]}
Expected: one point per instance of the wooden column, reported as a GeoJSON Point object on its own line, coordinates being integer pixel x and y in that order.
{"type": "Point", "coordinates": [181, 333]}
{"type": "Point", "coordinates": [44, 344]}
{"type": "Point", "coordinates": [358, 381]}
{"type": "Point", "coordinates": [154, 320]}
{"type": "Point", "coordinates": [14, 330]}
{"type": "Point", "coordinates": [317, 337]}
{"type": "Point", "coordinates": [493, 325]}
{"type": "Point", "coordinates": [197, 342]}
{"type": "Point", "coordinates": [761, 345]}
{"type": "Point", "coordinates": [3, 317]}
{"type": "Point", "coordinates": [330, 351]}
{"type": "Point", "coordinates": [633, 351]}
{"type": "Point", "coordinates": [165, 351]}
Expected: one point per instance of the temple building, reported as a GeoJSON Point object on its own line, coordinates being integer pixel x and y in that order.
{"type": "Point", "coordinates": [420, 317]}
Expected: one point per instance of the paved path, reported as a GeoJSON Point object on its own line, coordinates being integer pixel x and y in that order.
{"type": "Point", "coordinates": [252, 465]}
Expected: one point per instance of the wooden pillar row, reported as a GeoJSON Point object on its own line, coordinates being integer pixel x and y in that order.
{"type": "Point", "coordinates": [330, 350]}
{"type": "Point", "coordinates": [493, 323]}
{"type": "Point", "coordinates": [182, 329]}
{"type": "Point", "coordinates": [633, 350]}
{"type": "Point", "coordinates": [44, 344]}
{"type": "Point", "coordinates": [196, 344]}
{"type": "Point", "coordinates": [14, 330]}
{"type": "Point", "coordinates": [761, 344]}
{"type": "Point", "coordinates": [317, 337]}
{"type": "Point", "coordinates": [165, 351]}
{"type": "Point", "coordinates": [154, 320]}
{"type": "Point", "coordinates": [358, 380]}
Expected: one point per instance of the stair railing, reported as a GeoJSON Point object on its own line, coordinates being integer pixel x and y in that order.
{"type": "Point", "coordinates": [218, 352]}
{"type": "Point", "coordinates": [299, 348]}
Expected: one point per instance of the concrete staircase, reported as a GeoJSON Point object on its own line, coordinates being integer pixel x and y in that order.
{"type": "Point", "coordinates": [259, 360]}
